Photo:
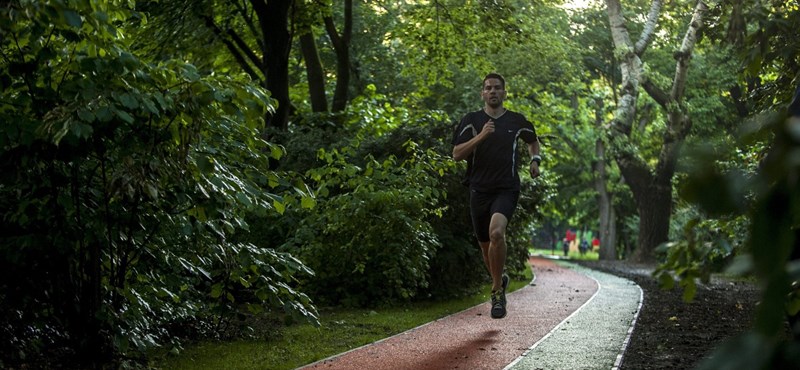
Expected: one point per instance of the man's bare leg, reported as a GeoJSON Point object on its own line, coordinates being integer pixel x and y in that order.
{"type": "Point", "coordinates": [485, 253]}
{"type": "Point", "coordinates": [497, 249]}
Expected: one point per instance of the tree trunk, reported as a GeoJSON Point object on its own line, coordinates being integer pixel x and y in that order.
{"type": "Point", "coordinates": [273, 17]}
{"type": "Point", "coordinates": [607, 230]}
{"type": "Point", "coordinates": [655, 208]}
{"type": "Point", "coordinates": [608, 225]}
{"type": "Point", "coordinates": [314, 72]}
{"type": "Point", "coordinates": [341, 45]}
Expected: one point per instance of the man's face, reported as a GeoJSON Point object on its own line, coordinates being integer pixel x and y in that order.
{"type": "Point", "coordinates": [493, 92]}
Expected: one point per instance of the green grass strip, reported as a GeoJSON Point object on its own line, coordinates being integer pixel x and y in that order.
{"type": "Point", "coordinates": [341, 331]}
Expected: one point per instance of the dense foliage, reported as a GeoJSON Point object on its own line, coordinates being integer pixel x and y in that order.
{"type": "Point", "coordinates": [121, 181]}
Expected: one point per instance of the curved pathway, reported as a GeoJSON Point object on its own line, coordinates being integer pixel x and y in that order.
{"type": "Point", "coordinates": [563, 298]}
{"type": "Point", "coordinates": [595, 336]}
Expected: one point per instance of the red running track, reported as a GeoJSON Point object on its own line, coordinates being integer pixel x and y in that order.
{"type": "Point", "coordinates": [471, 339]}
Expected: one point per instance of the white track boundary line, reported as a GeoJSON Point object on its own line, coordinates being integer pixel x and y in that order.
{"type": "Point", "coordinates": [627, 340]}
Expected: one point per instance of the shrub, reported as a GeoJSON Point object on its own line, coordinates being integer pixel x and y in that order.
{"type": "Point", "coordinates": [368, 239]}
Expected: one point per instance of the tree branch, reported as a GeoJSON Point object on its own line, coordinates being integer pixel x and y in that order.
{"type": "Point", "coordinates": [684, 55]}
{"type": "Point", "coordinates": [341, 44]}
{"type": "Point", "coordinates": [659, 95]}
{"type": "Point", "coordinates": [236, 52]}
{"type": "Point", "coordinates": [245, 48]}
{"type": "Point", "coordinates": [250, 22]}
{"type": "Point", "coordinates": [347, 33]}
{"type": "Point", "coordinates": [649, 27]}
{"type": "Point", "coordinates": [619, 32]}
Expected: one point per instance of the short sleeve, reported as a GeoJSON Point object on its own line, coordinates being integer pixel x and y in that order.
{"type": "Point", "coordinates": [528, 133]}
{"type": "Point", "coordinates": [464, 131]}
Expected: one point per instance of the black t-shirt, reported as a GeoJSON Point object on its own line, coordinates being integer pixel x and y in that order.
{"type": "Point", "coordinates": [493, 165]}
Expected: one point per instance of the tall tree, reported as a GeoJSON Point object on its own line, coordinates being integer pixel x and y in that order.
{"type": "Point", "coordinates": [273, 18]}
{"type": "Point", "coordinates": [305, 20]}
{"type": "Point", "coordinates": [651, 186]}
{"type": "Point", "coordinates": [341, 45]}
{"type": "Point", "coordinates": [315, 72]}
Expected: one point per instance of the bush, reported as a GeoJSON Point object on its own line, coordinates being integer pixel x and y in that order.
{"type": "Point", "coordinates": [368, 239]}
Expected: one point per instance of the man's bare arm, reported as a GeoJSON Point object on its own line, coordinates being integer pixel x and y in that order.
{"type": "Point", "coordinates": [463, 150]}
{"type": "Point", "coordinates": [533, 149]}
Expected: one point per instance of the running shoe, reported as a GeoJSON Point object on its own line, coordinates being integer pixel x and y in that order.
{"type": "Point", "coordinates": [498, 304]}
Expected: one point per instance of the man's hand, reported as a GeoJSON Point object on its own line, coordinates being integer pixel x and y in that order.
{"type": "Point", "coordinates": [488, 129]}
{"type": "Point", "coordinates": [461, 151]}
{"type": "Point", "coordinates": [534, 169]}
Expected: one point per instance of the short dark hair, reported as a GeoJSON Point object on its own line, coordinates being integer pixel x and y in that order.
{"type": "Point", "coordinates": [497, 76]}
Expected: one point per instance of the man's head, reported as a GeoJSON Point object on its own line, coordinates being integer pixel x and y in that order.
{"type": "Point", "coordinates": [493, 92]}
{"type": "Point", "coordinates": [495, 76]}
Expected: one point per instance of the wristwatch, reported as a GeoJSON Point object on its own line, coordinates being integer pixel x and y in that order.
{"type": "Point", "coordinates": [536, 158]}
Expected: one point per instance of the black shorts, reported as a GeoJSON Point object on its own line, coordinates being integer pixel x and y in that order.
{"type": "Point", "coordinates": [483, 205]}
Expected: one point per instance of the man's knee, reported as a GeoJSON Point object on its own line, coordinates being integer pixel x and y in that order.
{"type": "Point", "coordinates": [497, 235]}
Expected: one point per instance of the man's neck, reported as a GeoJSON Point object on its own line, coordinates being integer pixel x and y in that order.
{"type": "Point", "coordinates": [495, 112]}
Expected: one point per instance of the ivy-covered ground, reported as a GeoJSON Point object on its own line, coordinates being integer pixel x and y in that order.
{"type": "Point", "coordinates": [673, 334]}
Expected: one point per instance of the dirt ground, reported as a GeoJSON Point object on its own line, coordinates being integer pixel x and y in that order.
{"type": "Point", "coordinates": [672, 334]}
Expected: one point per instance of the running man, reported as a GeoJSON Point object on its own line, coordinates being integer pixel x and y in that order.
{"type": "Point", "coordinates": [487, 139]}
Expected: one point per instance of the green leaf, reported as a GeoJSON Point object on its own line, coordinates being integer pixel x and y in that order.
{"type": "Point", "coordinates": [73, 18]}
{"type": "Point", "coordinates": [244, 199]}
{"type": "Point", "coordinates": [121, 342]}
{"type": "Point", "coordinates": [262, 294]}
{"type": "Point", "coordinates": [793, 306]}
{"type": "Point", "coordinates": [189, 72]}
{"type": "Point", "coordinates": [276, 152]}
{"type": "Point", "coordinates": [81, 130]}
{"type": "Point", "coordinates": [308, 202]}
{"type": "Point", "coordinates": [666, 281]}
{"type": "Point", "coordinates": [205, 165]}
{"type": "Point", "coordinates": [123, 115]}
{"type": "Point", "coordinates": [279, 206]}
{"type": "Point", "coordinates": [128, 101]}
{"type": "Point", "coordinates": [255, 309]}
{"type": "Point", "coordinates": [689, 290]}
{"type": "Point", "coordinates": [203, 272]}
{"type": "Point", "coordinates": [104, 114]}
{"type": "Point", "coordinates": [216, 290]}
{"type": "Point", "coordinates": [150, 106]}
{"type": "Point", "coordinates": [100, 16]}
{"type": "Point", "coordinates": [86, 115]}
{"type": "Point", "coordinates": [152, 191]}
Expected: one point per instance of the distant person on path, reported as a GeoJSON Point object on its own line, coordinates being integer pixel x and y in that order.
{"type": "Point", "coordinates": [487, 140]}
{"type": "Point", "coordinates": [570, 238]}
